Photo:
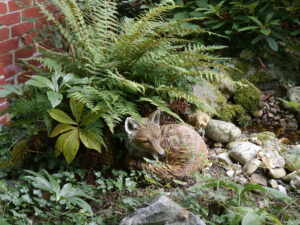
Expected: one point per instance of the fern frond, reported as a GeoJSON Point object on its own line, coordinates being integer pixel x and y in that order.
{"type": "Point", "coordinates": [160, 104]}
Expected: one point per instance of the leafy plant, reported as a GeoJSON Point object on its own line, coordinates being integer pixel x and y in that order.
{"type": "Point", "coordinates": [290, 103]}
{"type": "Point", "coordinates": [67, 193]}
{"type": "Point", "coordinates": [263, 27]}
{"type": "Point", "coordinates": [70, 136]}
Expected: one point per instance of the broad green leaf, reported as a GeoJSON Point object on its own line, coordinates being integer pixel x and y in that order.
{"type": "Point", "coordinates": [265, 31]}
{"type": "Point", "coordinates": [54, 184]}
{"type": "Point", "coordinates": [54, 98]}
{"type": "Point", "coordinates": [71, 145]}
{"type": "Point", "coordinates": [77, 108]}
{"type": "Point", "coordinates": [277, 194]}
{"type": "Point", "coordinates": [255, 20]}
{"type": "Point", "coordinates": [60, 116]}
{"type": "Point", "coordinates": [251, 218]}
{"type": "Point", "coordinates": [40, 82]}
{"type": "Point", "coordinates": [89, 139]}
{"type": "Point", "coordinates": [59, 145]}
{"type": "Point", "coordinates": [90, 117]}
{"type": "Point", "coordinates": [82, 204]}
{"type": "Point", "coordinates": [179, 182]}
{"type": "Point", "coordinates": [272, 43]}
{"type": "Point", "coordinates": [60, 128]}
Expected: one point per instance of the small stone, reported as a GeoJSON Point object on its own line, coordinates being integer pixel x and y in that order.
{"type": "Point", "coordinates": [273, 183]}
{"type": "Point", "coordinates": [281, 189]}
{"type": "Point", "coordinates": [270, 115]}
{"type": "Point", "coordinates": [224, 157]}
{"type": "Point", "coordinates": [272, 158]}
{"type": "Point", "coordinates": [258, 113]}
{"type": "Point", "coordinates": [291, 176]}
{"type": "Point", "coordinates": [296, 183]}
{"type": "Point", "coordinates": [277, 173]}
{"type": "Point", "coordinates": [277, 117]}
{"type": "Point", "coordinates": [259, 179]}
{"type": "Point", "coordinates": [217, 145]}
{"type": "Point", "coordinates": [251, 166]}
{"type": "Point", "coordinates": [238, 171]}
{"type": "Point", "coordinates": [272, 99]}
{"type": "Point", "coordinates": [244, 151]}
{"type": "Point", "coordinates": [242, 180]}
{"type": "Point", "coordinates": [198, 119]}
{"type": "Point", "coordinates": [230, 173]}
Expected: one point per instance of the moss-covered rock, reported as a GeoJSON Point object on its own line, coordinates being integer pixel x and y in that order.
{"type": "Point", "coordinates": [234, 113]}
{"type": "Point", "coordinates": [248, 96]}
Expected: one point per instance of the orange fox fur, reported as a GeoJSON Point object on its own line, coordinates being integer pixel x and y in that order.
{"type": "Point", "coordinates": [180, 148]}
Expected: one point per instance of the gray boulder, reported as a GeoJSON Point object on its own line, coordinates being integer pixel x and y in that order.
{"type": "Point", "coordinates": [162, 211]}
{"type": "Point", "coordinates": [292, 158]}
{"type": "Point", "coordinates": [273, 158]}
{"type": "Point", "coordinates": [244, 152]}
{"type": "Point", "coordinates": [221, 131]}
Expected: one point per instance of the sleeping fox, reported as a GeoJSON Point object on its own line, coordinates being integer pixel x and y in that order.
{"type": "Point", "coordinates": [180, 148]}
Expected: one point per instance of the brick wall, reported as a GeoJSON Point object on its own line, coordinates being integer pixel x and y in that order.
{"type": "Point", "coordinates": [16, 40]}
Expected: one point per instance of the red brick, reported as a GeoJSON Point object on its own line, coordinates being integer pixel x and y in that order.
{"type": "Point", "coordinates": [21, 28]}
{"type": "Point", "coordinates": [11, 70]}
{"type": "Point", "coordinates": [2, 81]}
{"type": "Point", "coordinates": [24, 53]}
{"type": "Point", "coordinates": [1, 69]}
{"type": "Point", "coordinates": [15, 5]}
{"type": "Point", "coordinates": [10, 19]}
{"type": "Point", "coordinates": [3, 8]}
{"type": "Point", "coordinates": [28, 38]}
{"type": "Point", "coordinates": [3, 100]}
{"type": "Point", "coordinates": [32, 13]}
{"type": "Point", "coordinates": [4, 34]}
{"type": "Point", "coordinates": [40, 22]}
{"type": "Point", "coordinates": [4, 119]}
{"type": "Point", "coordinates": [25, 76]}
{"type": "Point", "coordinates": [8, 45]}
{"type": "Point", "coordinates": [35, 62]}
{"type": "Point", "coordinates": [3, 105]}
{"type": "Point", "coordinates": [6, 59]}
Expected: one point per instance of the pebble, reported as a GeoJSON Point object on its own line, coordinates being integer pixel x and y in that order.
{"type": "Point", "coordinates": [281, 189]}
{"type": "Point", "coordinates": [273, 183]}
{"type": "Point", "coordinates": [230, 173]}
{"type": "Point", "coordinates": [242, 180]}
{"type": "Point", "coordinates": [277, 173]}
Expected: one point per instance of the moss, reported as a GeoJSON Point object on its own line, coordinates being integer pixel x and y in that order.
{"type": "Point", "coordinates": [242, 68]}
{"type": "Point", "coordinates": [248, 96]}
{"type": "Point", "coordinates": [234, 113]}
{"type": "Point", "coordinates": [259, 77]}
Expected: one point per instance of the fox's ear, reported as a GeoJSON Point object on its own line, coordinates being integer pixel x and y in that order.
{"type": "Point", "coordinates": [131, 125]}
{"type": "Point", "coordinates": [155, 117]}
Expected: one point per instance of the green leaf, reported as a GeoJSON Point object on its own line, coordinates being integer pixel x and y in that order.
{"type": "Point", "coordinates": [61, 116]}
{"type": "Point", "coordinates": [89, 139]}
{"type": "Point", "coordinates": [251, 218]}
{"type": "Point", "coordinates": [54, 98]}
{"type": "Point", "coordinates": [265, 31]}
{"type": "Point", "coordinates": [255, 20]}
{"type": "Point", "coordinates": [272, 43]}
{"type": "Point", "coordinates": [179, 182]}
{"type": "Point", "coordinates": [77, 108]}
{"type": "Point", "coordinates": [71, 144]}
{"type": "Point", "coordinates": [60, 128]}
{"type": "Point", "coordinates": [90, 117]}
{"type": "Point", "coordinates": [40, 82]}
{"type": "Point", "coordinates": [248, 28]}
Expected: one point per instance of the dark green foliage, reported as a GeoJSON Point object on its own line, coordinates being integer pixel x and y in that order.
{"type": "Point", "coordinates": [256, 27]}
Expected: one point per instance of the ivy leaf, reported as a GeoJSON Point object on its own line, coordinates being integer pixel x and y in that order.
{"type": "Point", "coordinates": [60, 128]}
{"type": "Point", "coordinates": [77, 108]}
{"type": "Point", "coordinates": [54, 98]}
{"type": "Point", "coordinates": [89, 139]}
{"type": "Point", "coordinates": [60, 116]}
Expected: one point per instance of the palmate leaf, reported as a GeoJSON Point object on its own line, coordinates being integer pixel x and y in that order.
{"type": "Point", "coordinates": [89, 139]}
{"type": "Point", "coordinates": [76, 108]}
{"type": "Point", "coordinates": [60, 128]}
{"type": "Point", "coordinates": [68, 143]}
{"type": "Point", "coordinates": [61, 116]}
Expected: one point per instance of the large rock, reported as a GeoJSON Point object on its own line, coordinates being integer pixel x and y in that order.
{"type": "Point", "coordinates": [244, 152]}
{"type": "Point", "coordinates": [221, 131]}
{"type": "Point", "coordinates": [267, 139]}
{"type": "Point", "coordinates": [225, 85]}
{"type": "Point", "coordinates": [162, 211]}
